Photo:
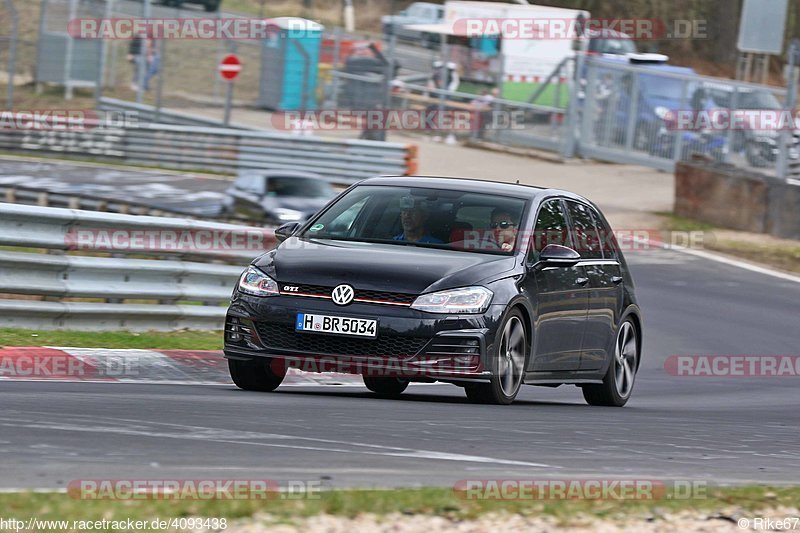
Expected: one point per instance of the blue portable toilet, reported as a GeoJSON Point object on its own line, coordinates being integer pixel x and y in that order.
{"type": "Point", "coordinates": [289, 60]}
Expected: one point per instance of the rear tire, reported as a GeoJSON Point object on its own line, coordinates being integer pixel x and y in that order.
{"type": "Point", "coordinates": [617, 386]}
{"type": "Point", "coordinates": [387, 387]}
{"type": "Point", "coordinates": [254, 375]}
{"type": "Point", "coordinates": [509, 362]}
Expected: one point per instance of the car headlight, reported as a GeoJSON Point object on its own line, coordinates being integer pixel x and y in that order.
{"type": "Point", "coordinates": [255, 282]}
{"type": "Point", "coordinates": [288, 215]}
{"type": "Point", "coordinates": [455, 301]}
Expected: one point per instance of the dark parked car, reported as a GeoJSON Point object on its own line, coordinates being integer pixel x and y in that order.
{"type": "Point", "coordinates": [760, 147]}
{"type": "Point", "coordinates": [416, 13]}
{"type": "Point", "coordinates": [278, 196]}
{"type": "Point", "coordinates": [481, 284]}
{"type": "Point", "coordinates": [208, 5]}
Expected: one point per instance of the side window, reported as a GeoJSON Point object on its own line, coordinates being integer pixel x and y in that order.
{"type": "Point", "coordinates": [584, 232]}
{"type": "Point", "coordinates": [250, 183]}
{"type": "Point", "coordinates": [608, 241]}
{"type": "Point", "coordinates": [551, 228]}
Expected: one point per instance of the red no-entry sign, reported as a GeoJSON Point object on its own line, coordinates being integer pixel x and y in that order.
{"type": "Point", "coordinates": [229, 67]}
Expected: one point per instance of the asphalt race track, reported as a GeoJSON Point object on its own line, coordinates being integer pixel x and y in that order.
{"type": "Point", "coordinates": [191, 194]}
{"type": "Point", "coordinates": [718, 430]}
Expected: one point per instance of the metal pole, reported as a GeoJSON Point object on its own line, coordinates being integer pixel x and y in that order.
{"type": "Point", "coordinates": [789, 104]}
{"type": "Point", "coordinates": [570, 129]}
{"type": "Point", "coordinates": [678, 135]}
{"type": "Point", "coordinates": [734, 105]}
{"type": "Point", "coordinates": [389, 72]}
{"type": "Point", "coordinates": [142, 66]}
{"type": "Point", "coordinates": [98, 91]}
{"type": "Point", "coordinates": [228, 102]}
{"type": "Point", "coordinates": [229, 93]}
{"type": "Point", "coordinates": [162, 52]}
{"type": "Point", "coordinates": [73, 8]}
{"type": "Point", "coordinates": [42, 31]}
{"type": "Point", "coordinates": [12, 54]}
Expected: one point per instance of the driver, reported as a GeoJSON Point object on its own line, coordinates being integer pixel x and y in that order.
{"type": "Point", "coordinates": [413, 216]}
{"type": "Point", "coordinates": [504, 229]}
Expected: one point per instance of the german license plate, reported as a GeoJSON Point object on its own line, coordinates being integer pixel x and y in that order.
{"type": "Point", "coordinates": [339, 325]}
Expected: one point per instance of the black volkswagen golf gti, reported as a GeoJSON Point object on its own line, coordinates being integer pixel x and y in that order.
{"type": "Point", "coordinates": [480, 284]}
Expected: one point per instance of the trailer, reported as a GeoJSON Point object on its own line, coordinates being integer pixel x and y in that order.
{"type": "Point", "coordinates": [514, 47]}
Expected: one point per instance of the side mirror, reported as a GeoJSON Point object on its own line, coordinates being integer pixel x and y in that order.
{"type": "Point", "coordinates": [555, 255]}
{"type": "Point", "coordinates": [285, 231]}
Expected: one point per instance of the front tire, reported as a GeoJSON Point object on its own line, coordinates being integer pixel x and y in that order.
{"type": "Point", "coordinates": [509, 361]}
{"type": "Point", "coordinates": [387, 387]}
{"type": "Point", "coordinates": [617, 386]}
{"type": "Point", "coordinates": [254, 375]}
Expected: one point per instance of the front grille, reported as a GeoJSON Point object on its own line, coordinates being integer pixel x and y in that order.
{"type": "Point", "coordinates": [361, 294]}
{"type": "Point", "coordinates": [284, 337]}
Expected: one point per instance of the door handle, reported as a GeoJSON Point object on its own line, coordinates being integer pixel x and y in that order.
{"type": "Point", "coordinates": [616, 280]}
{"type": "Point", "coordinates": [582, 281]}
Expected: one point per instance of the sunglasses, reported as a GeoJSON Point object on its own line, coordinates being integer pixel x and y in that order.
{"type": "Point", "coordinates": [503, 225]}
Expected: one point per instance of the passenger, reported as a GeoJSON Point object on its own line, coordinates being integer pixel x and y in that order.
{"type": "Point", "coordinates": [504, 229]}
{"type": "Point", "coordinates": [413, 216]}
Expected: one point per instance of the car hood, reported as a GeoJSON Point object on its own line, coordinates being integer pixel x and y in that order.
{"type": "Point", "coordinates": [384, 267]}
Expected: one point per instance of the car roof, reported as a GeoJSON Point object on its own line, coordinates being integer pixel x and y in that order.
{"type": "Point", "coordinates": [472, 185]}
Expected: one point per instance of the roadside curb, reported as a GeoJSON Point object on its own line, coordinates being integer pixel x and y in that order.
{"type": "Point", "coordinates": [199, 367]}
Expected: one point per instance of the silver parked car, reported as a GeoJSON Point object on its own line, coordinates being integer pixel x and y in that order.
{"type": "Point", "coordinates": [277, 196]}
{"type": "Point", "coordinates": [416, 13]}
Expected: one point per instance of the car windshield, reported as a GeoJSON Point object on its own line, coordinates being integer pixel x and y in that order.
{"type": "Point", "coordinates": [425, 217]}
{"type": "Point", "coordinates": [612, 46]}
{"type": "Point", "coordinates": [758, 100]}
{"type": "Point", "coordinates": [664, 88]}
{"type": "Point", "coordinates": [298, 186]}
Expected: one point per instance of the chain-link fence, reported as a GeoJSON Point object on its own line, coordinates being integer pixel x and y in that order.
{"type": "Point", "coordinates": [657, 114]}
{"type": "Point", "coordinates": [590, 106]}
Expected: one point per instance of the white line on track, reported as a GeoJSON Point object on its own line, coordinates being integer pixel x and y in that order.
{"type": "Point", "coordinates": [730, 261]}
{"type": "Point", "coordinates": [145, 428]}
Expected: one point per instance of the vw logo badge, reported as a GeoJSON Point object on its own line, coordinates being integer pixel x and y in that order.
{"type": "Point", "coordinates": [343, 294]}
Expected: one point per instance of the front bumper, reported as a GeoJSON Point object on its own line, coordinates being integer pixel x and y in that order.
{"type": "Point", "coordinates": [410, 344]}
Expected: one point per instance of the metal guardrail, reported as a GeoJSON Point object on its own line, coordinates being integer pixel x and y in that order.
{"type": "Point", "coordinates": [43, 197]}
{"type": "Point", "coordinates": [187, 289]}
{"type": "Point", "coordinates": [150, 114]}
{"type": "Point", "coordinates": [219, 149]}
